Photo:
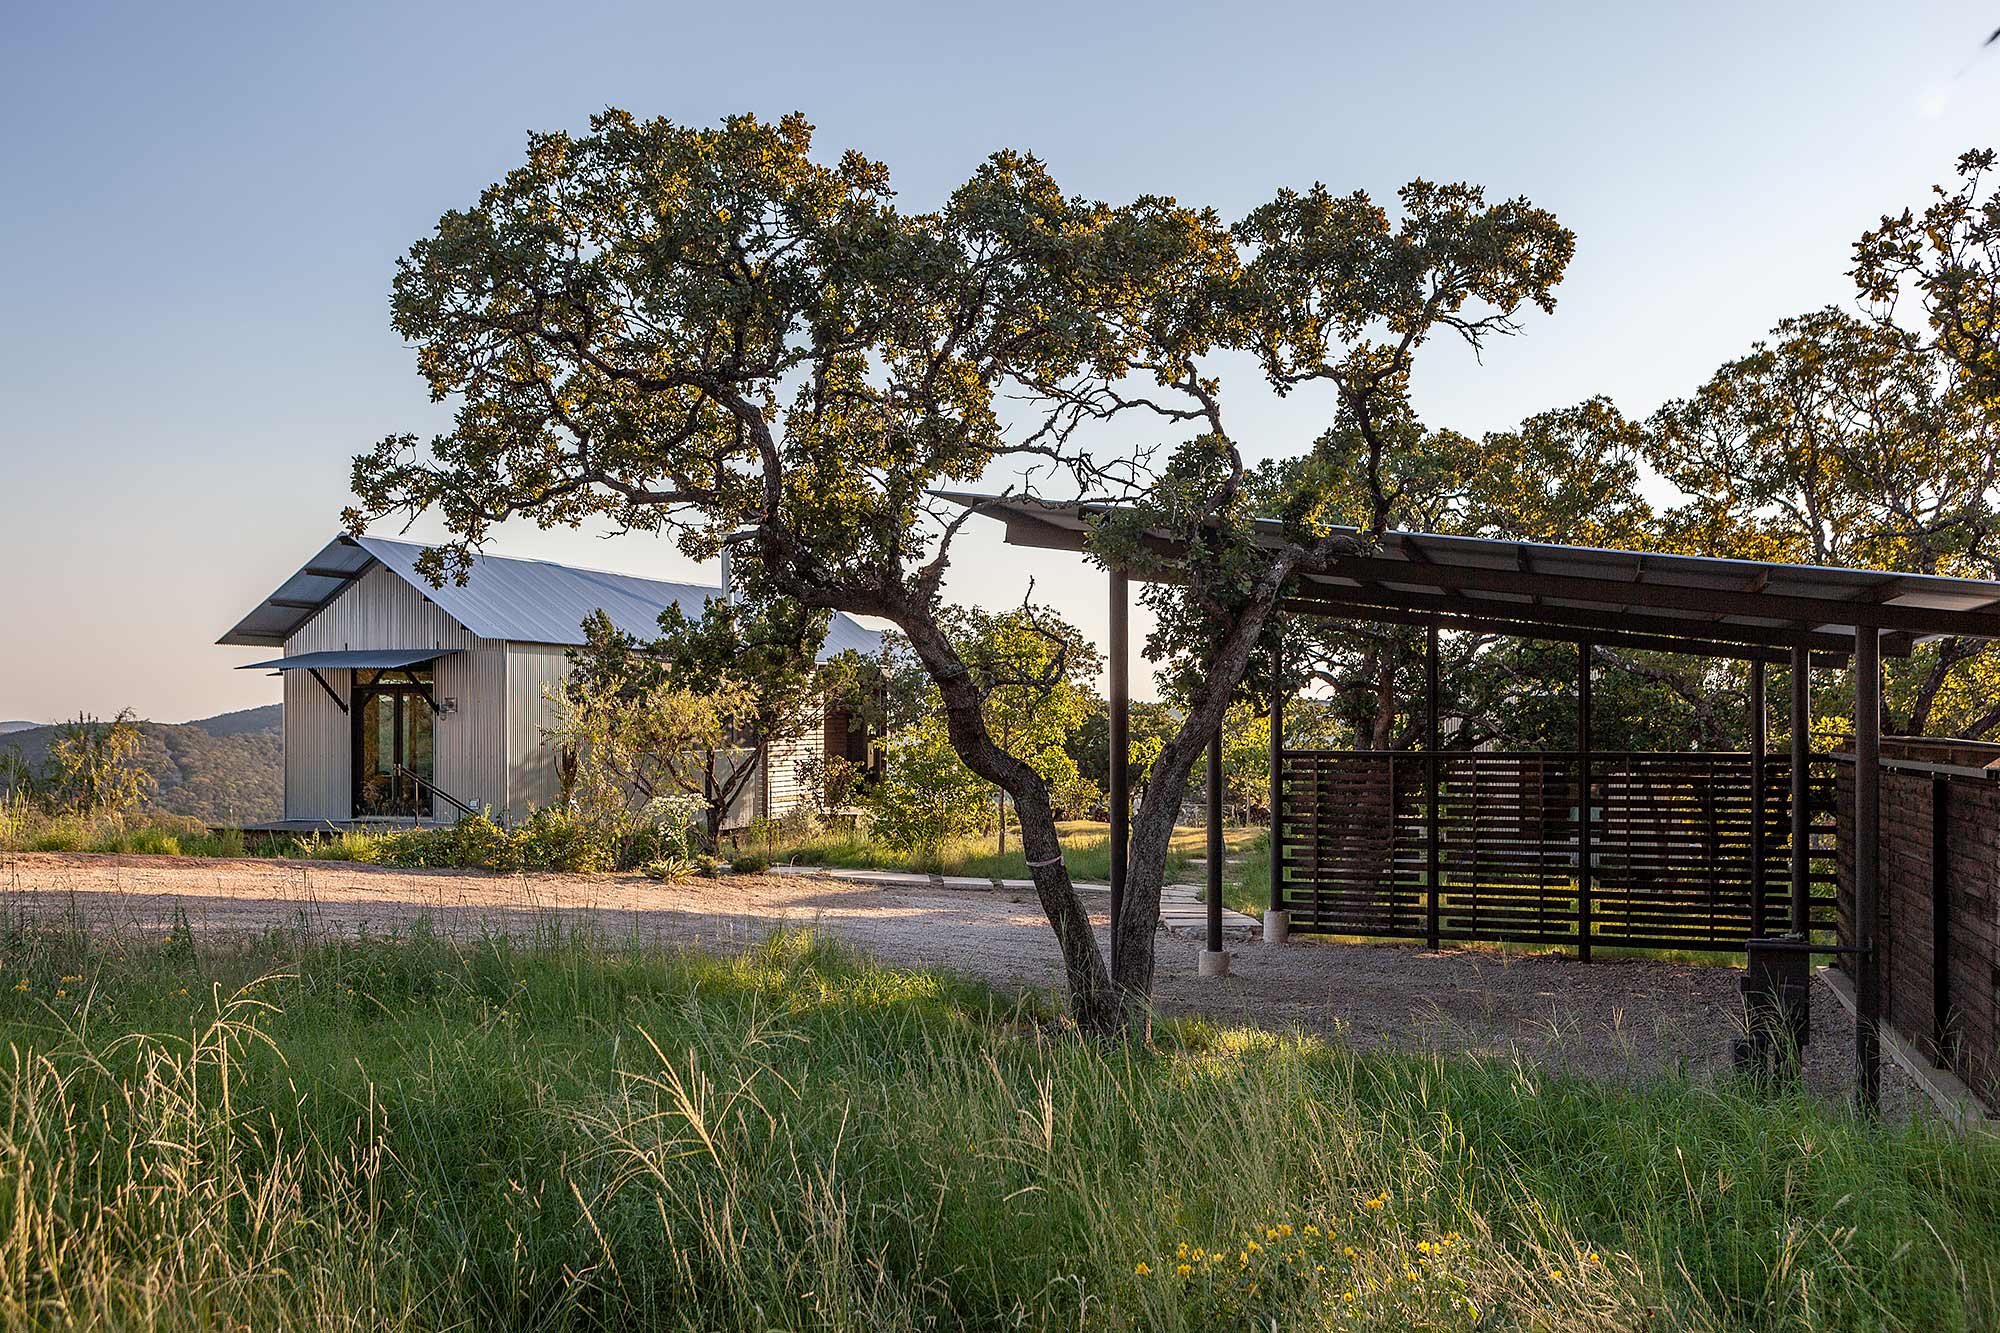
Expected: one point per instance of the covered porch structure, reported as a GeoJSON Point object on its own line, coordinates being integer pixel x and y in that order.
{"type": "Point", "coordinates": [1575, 847]}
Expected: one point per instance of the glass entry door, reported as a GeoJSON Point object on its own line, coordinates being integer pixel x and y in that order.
{"type": "Point", "coordinates": [392, 745]}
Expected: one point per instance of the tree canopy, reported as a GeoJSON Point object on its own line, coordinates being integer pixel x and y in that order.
{"type": "Point", "coordinates": [713, 334]}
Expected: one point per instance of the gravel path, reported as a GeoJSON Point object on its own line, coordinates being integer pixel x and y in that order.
{"type": "Point", "coordinates": [1614, 1019]}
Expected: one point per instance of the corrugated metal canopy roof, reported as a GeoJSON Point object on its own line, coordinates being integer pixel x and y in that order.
{"type": "Point", "coordinates": [1575, 590]}
{"type": "Point", "coordinates": [365, 659]}
{"type": "Point", "coordinates": [521, 601]}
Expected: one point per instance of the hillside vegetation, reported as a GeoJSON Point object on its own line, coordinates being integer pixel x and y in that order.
{"type": "Point", "coordinates": [228, 768]}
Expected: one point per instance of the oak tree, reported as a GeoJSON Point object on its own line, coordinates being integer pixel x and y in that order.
{"type": "Point", "coordinates": [712, 334]}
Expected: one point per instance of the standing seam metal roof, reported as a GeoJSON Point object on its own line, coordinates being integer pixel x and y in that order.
{"type": "Point", "coordinates": [520, 601]}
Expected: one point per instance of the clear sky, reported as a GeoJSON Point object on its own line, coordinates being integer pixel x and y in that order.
{"type": "Point", "coordinates": [204, 205]}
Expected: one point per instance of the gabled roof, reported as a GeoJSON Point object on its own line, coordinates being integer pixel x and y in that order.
{"type": "Point", "coordinates": [522, 601]}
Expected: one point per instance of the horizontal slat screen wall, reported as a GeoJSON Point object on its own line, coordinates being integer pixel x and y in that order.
{"type": "Point", "coordinates": [1670, 842]}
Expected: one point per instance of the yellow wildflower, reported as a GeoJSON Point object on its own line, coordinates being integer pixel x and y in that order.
{"type": "Point", "coordinates": [1347, 1250]}
{"type": "Point", "coordinates": [1311, 1230]}
{"type": "Point", "coordinates": [1183, 1270]}
{"type": "Point", "coordinates": [1410, 1273]}
{"type": "Point", "coordinates": [1180, 1250]}
{"type": "Point", "coordinates": [1254, 1247]}
{"type": "Point", "coordinates": [1594, 1259]}
{"type": "Point", "coordinates": [1142, 1268]}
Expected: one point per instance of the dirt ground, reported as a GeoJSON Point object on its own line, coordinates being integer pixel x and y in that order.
{"type": "Point", "coordinates": [1615, 1019]}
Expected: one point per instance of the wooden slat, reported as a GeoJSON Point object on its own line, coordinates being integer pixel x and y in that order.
{"type": "Point", "coordinates": [1671, 837]}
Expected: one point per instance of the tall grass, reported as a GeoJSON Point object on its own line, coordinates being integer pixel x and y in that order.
{"type": "Point", "coordinates": [26, 828]}
{"type": "Point", "coordinates": [574, 1133]}
{"type": "Point", "coordinates": [1086, 850]}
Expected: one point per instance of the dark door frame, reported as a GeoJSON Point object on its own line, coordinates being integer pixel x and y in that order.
{"type": "Point", "coordinates": [406, 693]}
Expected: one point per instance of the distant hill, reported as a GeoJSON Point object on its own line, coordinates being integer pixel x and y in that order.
{"type": "Point", "coordinates": [227, 768]}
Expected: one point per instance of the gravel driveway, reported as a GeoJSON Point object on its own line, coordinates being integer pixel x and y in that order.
{"type": "Point", "coordinates": [1610, 1019]}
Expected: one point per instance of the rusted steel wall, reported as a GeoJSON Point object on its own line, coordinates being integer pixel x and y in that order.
{"type": "Point", "coordinates": [1965, 1038]}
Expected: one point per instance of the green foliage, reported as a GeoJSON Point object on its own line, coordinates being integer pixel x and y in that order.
{"type": "Point", "coordinates": [725, 687]}
{"type": "Point", "coordinates": [927, 797]}
{"type": "Point", "coordinates": [832, 783]}
{"type": "Point", "coordinates": [90, 767]}
{"type": "Point", "coordinates": [1149, 725]}
{"type": "Point", "coordinates": [1086, 846]}
{"type": "Point", "coordinates": [218, 769]}
{"type": "Point", "coordinates": [629, 742]}
{"type": "Point", "coordinates": [551, 840]}
{"type": "Point", "coordinates": [709, 334]}
{"type": "Point", "coordinates": [1035, 674]}
{"type": "Point", "coordinates": [26, 827]}
{"type": "Point", "coordinates": [670, 869]}
{"type": "Point", "coordinates": [1949, 257]}
{"type": "Point", "coordinates": [427, 1132]}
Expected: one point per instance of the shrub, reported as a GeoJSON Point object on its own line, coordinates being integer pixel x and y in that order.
{"type": "Point", "coordinates": [555, 839]}
{"type": "Point", "coordinates": [833, 783]}
{"type": "Point", "coordinates": [929, 796]}
{"type": "Point", "coordinates": [27, 827]}
{"type": "Point", "coordinates": [669, 869]}
{"type": "Point", "coordinates": [665, 828]}
{"type": "Point", "coordinates": [477, 841]}
{"type": "Point", "coordinates": [749, 863]}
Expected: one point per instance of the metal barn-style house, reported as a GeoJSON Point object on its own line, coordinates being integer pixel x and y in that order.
{"type": "Point", "coordinates": [404, 701]}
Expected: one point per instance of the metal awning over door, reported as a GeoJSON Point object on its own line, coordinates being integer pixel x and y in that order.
{"type": "Point", "coordinates": [361, 659]}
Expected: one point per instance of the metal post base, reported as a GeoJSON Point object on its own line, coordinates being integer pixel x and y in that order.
{"type": "Point", "coordinates": [1277, 926]}
{"type": "Point", "coordinates": [1214, 963]}
{"type": "Point", "coordinates": [1777, 1021]}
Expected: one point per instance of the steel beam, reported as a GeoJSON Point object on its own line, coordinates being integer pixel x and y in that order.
{"type": "Point", "coordinates": [1867, 844]}
{"type": "Point", "coordinates": [1120, 797]}
{"type": "Point", "coordinates": [1758, 741]}
{"type": "Point", "coordinates": [1583, 655]}
{"type": "Point", "coordinates": [1705, 638]}
{"type": "Point", "coordinates": [1432, 889]}
{"type": "Point", "coordinates": [1804, 613]}
{"type": "Point", "coordinates": [1801, 745]}
{"type": "Point", "coordinates": [1214, 894]}
{"type": "Point", "coordinates": [331, 693]}
{"type": "Point", "coordinates": [1277, 894]}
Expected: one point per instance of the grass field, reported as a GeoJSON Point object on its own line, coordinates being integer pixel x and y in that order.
{"type": "Point", "coordinates": [576, 1133]}
{"type": "Point", "coordinates": [1086, 849]}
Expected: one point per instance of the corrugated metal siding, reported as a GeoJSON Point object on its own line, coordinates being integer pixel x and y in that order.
{"type": "Point", "coordinates": [531, 766]}
{"type": "Point", "coordinates": [318, 748]}
{"type": "Point", "coordinates": [381, 610]}
{"type": "Point", "coordinates": [787, 792]}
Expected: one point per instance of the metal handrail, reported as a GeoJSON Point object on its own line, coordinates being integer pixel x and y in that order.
{"type": "Point", "coordinates": [404, 771]}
